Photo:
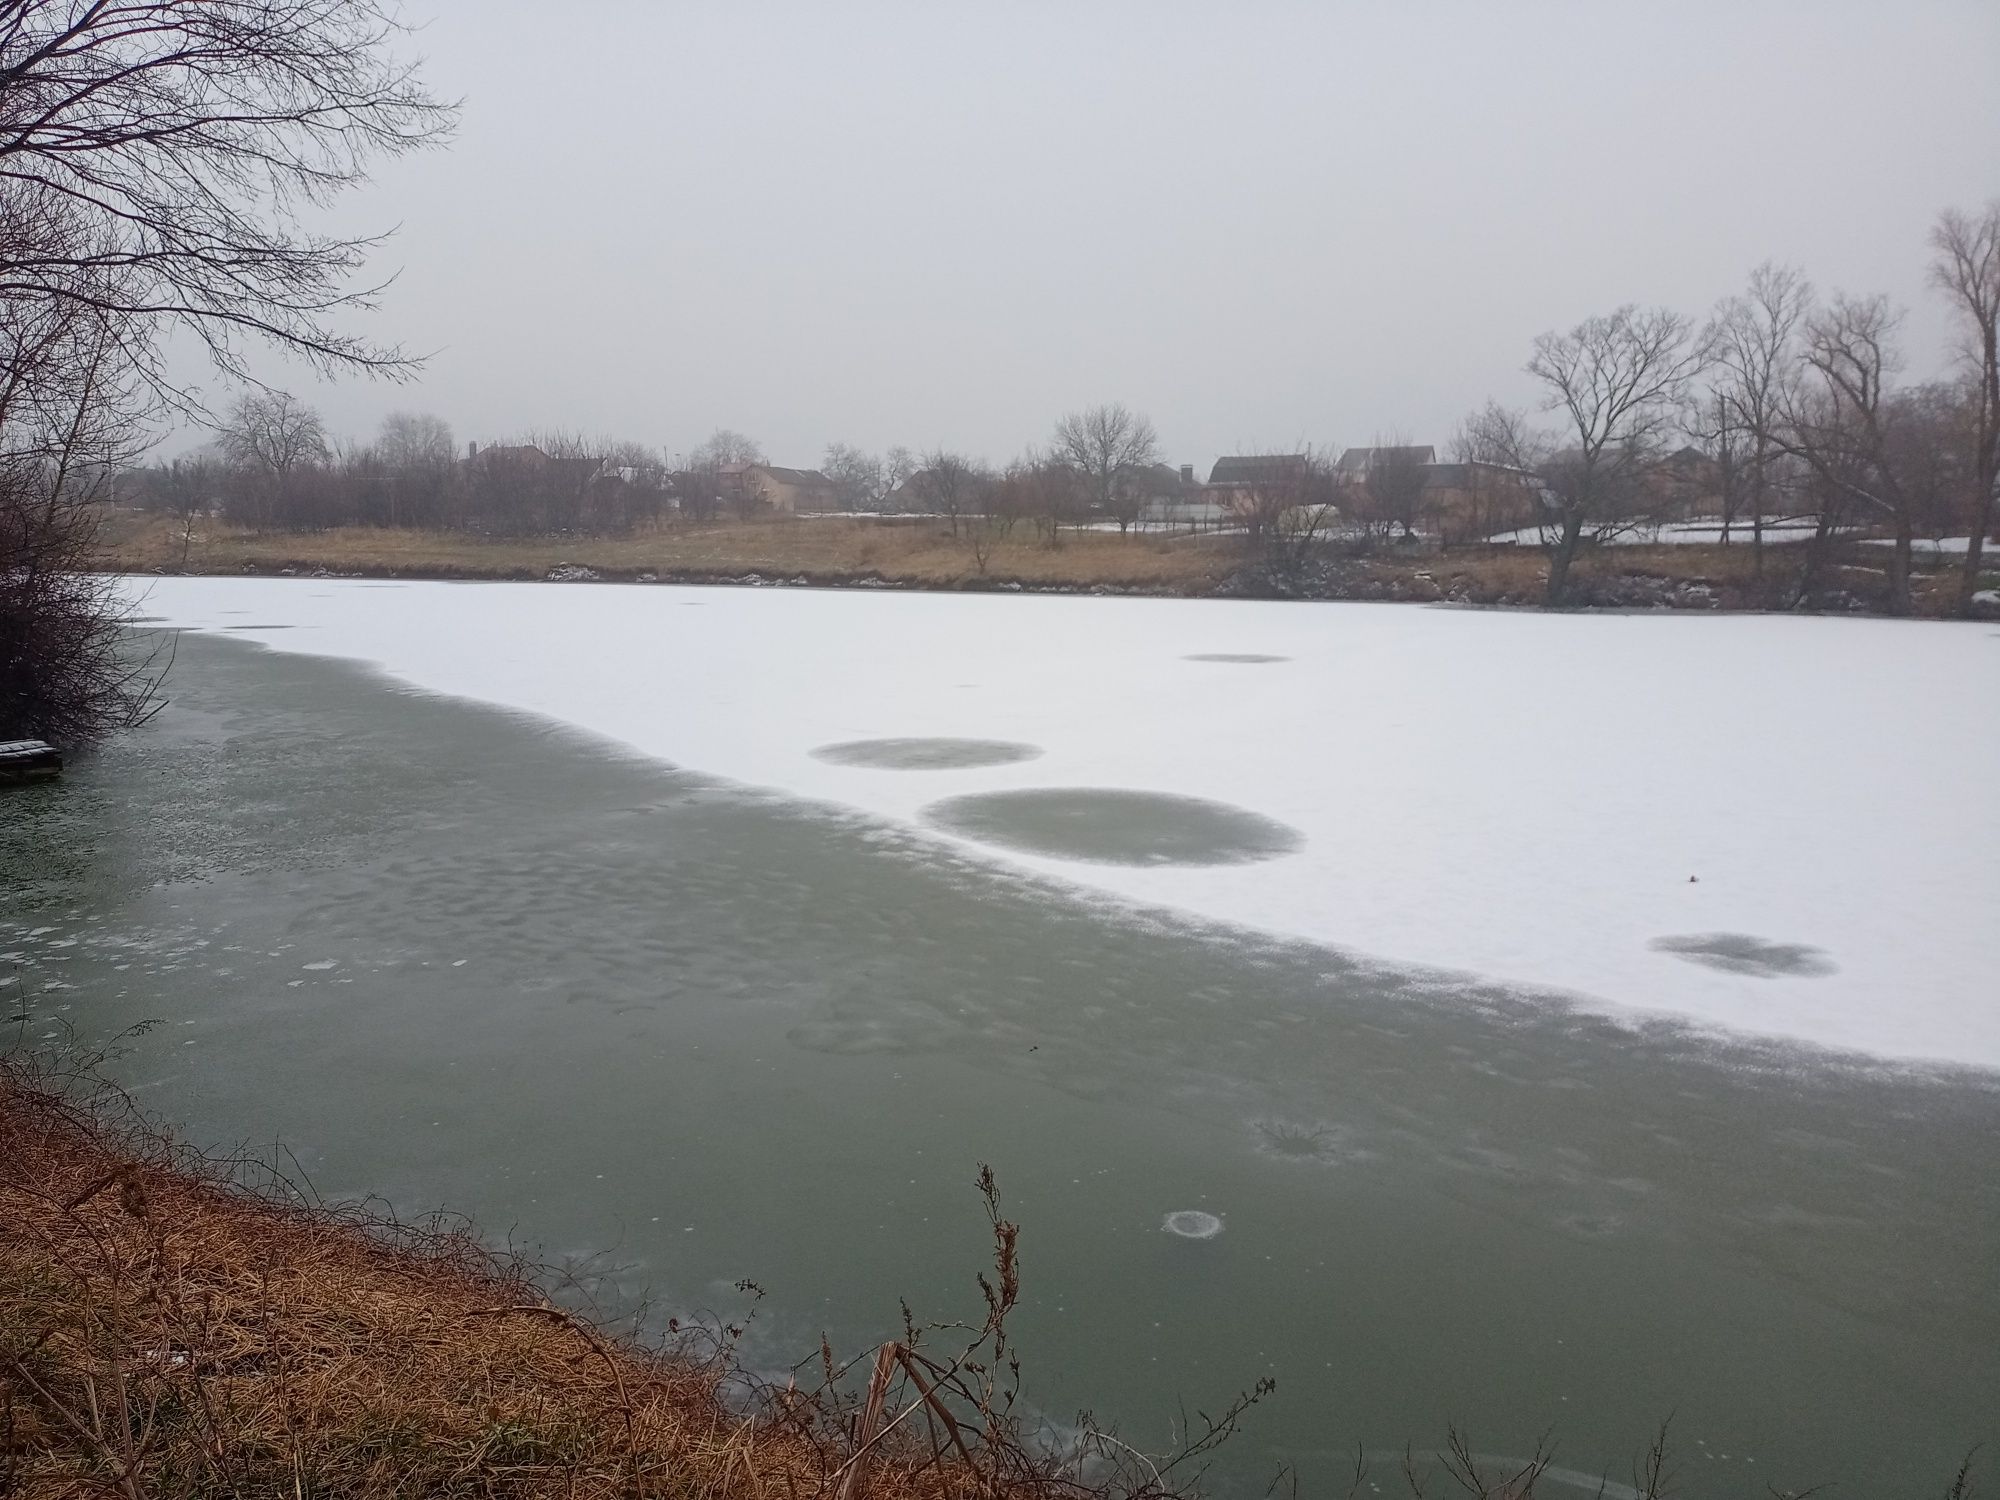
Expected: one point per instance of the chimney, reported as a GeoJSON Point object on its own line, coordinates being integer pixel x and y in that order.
{"type": "Point", "coordinates": [471, 452]}
{"type": "Point", "coordinates": [1187, 474]}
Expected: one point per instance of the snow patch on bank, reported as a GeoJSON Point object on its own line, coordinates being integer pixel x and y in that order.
{"type": "Point", "coordinates": [1531, 798]}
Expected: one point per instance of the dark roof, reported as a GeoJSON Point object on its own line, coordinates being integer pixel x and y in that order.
{"type": "Point", "coordinates": [509, 453]}
{"type": "Point", "coordinates": [1360, 460]}
{"type": "Point", "coordinates": [806, 477]}
{"type": "Point", "coordinates": [1262, 468]}
{"type": "Point", "coordinates": [1159, 479]}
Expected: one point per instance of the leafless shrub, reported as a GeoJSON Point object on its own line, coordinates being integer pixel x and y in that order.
{"type": "Point", "coordinates": [68, 670]}
{"type": "Point", "coordinates": [951, 485]}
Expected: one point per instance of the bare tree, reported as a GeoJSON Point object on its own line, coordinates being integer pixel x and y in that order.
{"type": "Point", "coordinates": [712, 476]}
{"type": "Point", "coordinates": [1258, 490]}
{"type": "Point", "coordinates": [273, 432]}
{"type": "Point", "coordinates": [163, 156]}
{"type": "Point", "coordinates": [898, 464]}
{"type": "Point", "coordinates": [1497, 453]}
{"type": "Point", "coordinates": [1294, 508]}
{"type": "Point", "coordinates": [1967, 271]}
{"type": "Point", "coordinates": [1618, 383]}
{"type": "Point", "coordinates": [188, 487]}
{"type": "Point", "coordinates": [566, 480]}
{"type": "Point", "coordinates": [857, 476]}
{"type": "Point", "coordinates": [951, 485]}
{"type": "Point", "coordinates": [1107, 447]}
{"type": "Point", "coordinates": [1932, 447]}
{"type": "Point", "coordinates": [1393, 484]}
{"type": "Point", "coordinates": [415, 453]}
{"type": "Point", "coordinates": [982, 533]}
{"type": "Point", "coordinates": [1840, 420]}
{"type": "Point", "coordinates": [697, 489]}
{"type": "Point", "coordinates": [1041, 489]}
{"type": "Point", "coordinates": [1013, 499]}
{"type": "Point", "coordinates": [1752, 342]}
{"type": "Point", "coordinates": [270, 436]}
{"type": "Point", "coordinates": [627, 488]}
{"type": "Point", "coordinates": [724, 446]}
{"type": "Point", "coordinates": [1714, 424]}
{"type": "Point", "coordinates": [415, 440]}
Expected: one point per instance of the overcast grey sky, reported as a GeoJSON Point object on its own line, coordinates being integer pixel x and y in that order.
{"type": "Point", "coordinates": [1259, 223]}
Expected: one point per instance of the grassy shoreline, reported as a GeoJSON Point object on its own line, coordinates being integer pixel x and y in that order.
{"type": "Point", "coordinates": [167, 1331]}
{"type": "Point", "coordinates": [887, 553]}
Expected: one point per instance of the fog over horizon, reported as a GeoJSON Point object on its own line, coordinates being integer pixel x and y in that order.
{"type": "Point", "coordinates": [1262, 225]}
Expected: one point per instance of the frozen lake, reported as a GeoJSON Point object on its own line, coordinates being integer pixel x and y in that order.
{"type": "Point", "coordinates": [1103, 918]}
{"type": "Point", "coordinates": [1773, 825]}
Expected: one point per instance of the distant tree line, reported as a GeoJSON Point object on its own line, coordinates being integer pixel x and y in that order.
{"type": "Point", "coordinates": [1794, 404]}
{"type": "Point", "coordinates": [1782, 409]}
{"type": "Point", "coordinates": [271, 465]}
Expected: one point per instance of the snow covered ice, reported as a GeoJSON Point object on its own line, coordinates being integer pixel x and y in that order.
{"type": "Point", "coordinates": [1584, 802]}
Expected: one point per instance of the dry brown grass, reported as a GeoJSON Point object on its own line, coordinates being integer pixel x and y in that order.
{"type": "Point", "coordinates": [918, 553]}
{"type": "Point", "coordinates": [166, 1333]}
{"type": "Point", "coordinates": [923, 554]}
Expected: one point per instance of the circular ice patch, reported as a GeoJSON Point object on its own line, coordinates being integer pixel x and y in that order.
{"type": "Point", "coordinates": [1104, 825]}
{"type": "Point", "coordinates": [1192, 1224]}
{"type": "Point", "coordinates": [925, 754]}
{"type": "Point", "coordinates": [1244, 657]}
{"type": "Point", "coordinates": [1740, 953]}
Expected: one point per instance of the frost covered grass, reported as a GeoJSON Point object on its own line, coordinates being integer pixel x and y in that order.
{"type": "Point", "coordinates": [1532, 798]}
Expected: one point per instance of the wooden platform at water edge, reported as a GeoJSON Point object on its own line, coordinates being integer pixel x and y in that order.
{"type": "Point", "coordinates": [28, 760]}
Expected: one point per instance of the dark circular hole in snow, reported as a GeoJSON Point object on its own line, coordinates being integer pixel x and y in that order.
{"type": "Point", "coordinates": [925, 754]}
{"type": "Point", "coordinates": [1242, 658]}
{"type": "Point", "coordinates": [1103, 825]}
{"type": "Point", "coordinates": [1740, 953]}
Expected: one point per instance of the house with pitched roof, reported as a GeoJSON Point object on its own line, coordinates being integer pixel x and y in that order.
{"type": "Point", "coordinates": [789, 492]}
